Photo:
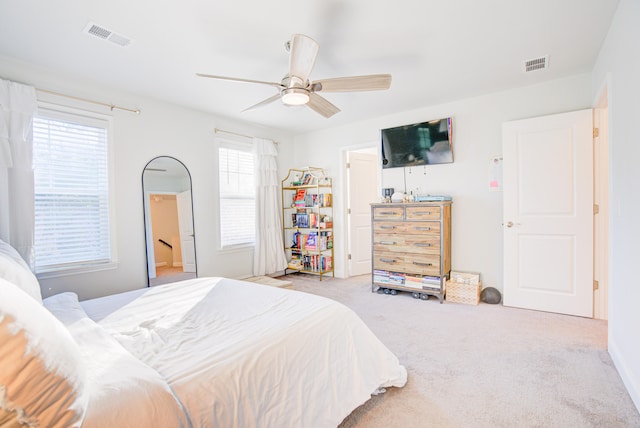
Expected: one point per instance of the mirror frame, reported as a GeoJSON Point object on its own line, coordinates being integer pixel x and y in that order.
{"type": "Point", "coordinates": [145, 209]}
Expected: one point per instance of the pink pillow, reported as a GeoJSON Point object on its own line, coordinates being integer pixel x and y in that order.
{"type": "Point", "coordinates": [42, 378]}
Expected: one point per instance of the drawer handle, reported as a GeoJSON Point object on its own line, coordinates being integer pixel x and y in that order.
{"type": "Point", "coordinates": [422, 228]}
{"type": "Point", "coordinates": [423, 213]}
{"type": "Point", "coordinates": [387, 227]}
{"type": "Point", "coordinates": [422, 244]}
{"type": "Point", "coordinates": [423, 264]}
{"type": "Point", "coordinates": [387, 242]}
{"type": "Point", "coordinates": [386, 213]}
{"type": "Point", "coordinates": [388, 260]}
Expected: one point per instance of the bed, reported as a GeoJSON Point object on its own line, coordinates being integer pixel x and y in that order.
{"type": "Point", "coordinates": [206, 352]}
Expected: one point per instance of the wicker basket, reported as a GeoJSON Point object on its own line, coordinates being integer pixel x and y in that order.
{"type": "Point", "coordinates": [458, 292]}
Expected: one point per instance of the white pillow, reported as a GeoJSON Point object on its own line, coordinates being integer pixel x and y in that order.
{"type": "Point", "coordinates": [14, 269]}
{"type": "Point", "coordinates": [42, 377]}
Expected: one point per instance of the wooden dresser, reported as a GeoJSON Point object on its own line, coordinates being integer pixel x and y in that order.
{"type": "Point", "coordinates": [411, 244]}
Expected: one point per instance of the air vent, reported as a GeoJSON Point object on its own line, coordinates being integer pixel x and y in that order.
{"type": "Point", "coordinates": [536, 64]}
{"type": "Point", "coordinates": [105, 34]}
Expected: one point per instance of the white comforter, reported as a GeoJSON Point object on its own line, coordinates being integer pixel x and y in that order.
{"type": "Point", "coordinates": [239, 354]}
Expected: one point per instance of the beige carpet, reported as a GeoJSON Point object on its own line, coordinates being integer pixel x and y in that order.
{"type": "Point", "coordinates": [484, 366]}
{"type": "Point", "coordinates": [281, 282]}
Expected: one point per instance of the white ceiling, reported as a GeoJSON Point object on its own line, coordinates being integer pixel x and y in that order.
{"type": "Point", "coordinates": [437, 51]}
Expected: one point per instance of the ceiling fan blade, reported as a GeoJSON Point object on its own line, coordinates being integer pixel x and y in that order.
{"type": "Point", "coordinates": [237, 79]}
{"type": "Point", "coordinates": [302, 56]}
{"type": "Point", "coordinates": [373, 82]}
{"type": "Point", "coordinates": [263, 103]}
{"type": "Point", "coordinates": [322, 105]}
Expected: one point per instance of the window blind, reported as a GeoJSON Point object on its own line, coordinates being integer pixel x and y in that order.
{"type": "Point", "coordinates": [71, 187]}
{"type": "Point", "coordinates": [237, 196]}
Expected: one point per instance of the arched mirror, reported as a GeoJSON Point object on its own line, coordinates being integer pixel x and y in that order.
{"type": "Point", "coordinates": [168, 221]}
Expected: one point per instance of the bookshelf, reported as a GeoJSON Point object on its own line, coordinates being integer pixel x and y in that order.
{"type": "Point", "coordinates": [307, 221]}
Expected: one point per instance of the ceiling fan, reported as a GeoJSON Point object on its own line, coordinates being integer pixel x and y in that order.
{"type": "Point", "coordinates": [296, 89]}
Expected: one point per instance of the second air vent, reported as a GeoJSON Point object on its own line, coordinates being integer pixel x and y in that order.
{"type": "Point", "coordinates": [105, 34]}
{"type": "Point", "coordinates": [536, 64]}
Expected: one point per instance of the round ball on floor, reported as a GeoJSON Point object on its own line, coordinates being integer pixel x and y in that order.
{"type": "Point", "coordinates": [490, 295]}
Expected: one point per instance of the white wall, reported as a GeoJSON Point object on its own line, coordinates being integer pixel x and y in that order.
{"type": "Point", "coordinates": [160, 129]}
{"type": "Point", "coordinates": [477, 136]}
{"type": "Point", "coordinates": [618, 67]}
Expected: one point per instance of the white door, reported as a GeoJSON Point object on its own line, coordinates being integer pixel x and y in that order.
{"type": "Point", "coordinates": [362, 178]}
{"type": "Point", "coordinates": [185, 224]}
{"type": "Point", "coordinates": [548, 213]}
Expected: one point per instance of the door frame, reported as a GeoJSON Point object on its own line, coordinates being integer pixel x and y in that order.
{"type": "Point", "coordinates": [602, 197]}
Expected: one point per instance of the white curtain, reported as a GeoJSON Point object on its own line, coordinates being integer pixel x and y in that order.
{"type": "Point", "coordinates": [17, 107]}
{"type": "Point", "coordinates": [269, 256]}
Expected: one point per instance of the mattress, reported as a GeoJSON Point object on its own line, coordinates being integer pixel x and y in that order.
{"type": "Point", "coordinates": [237, 353]}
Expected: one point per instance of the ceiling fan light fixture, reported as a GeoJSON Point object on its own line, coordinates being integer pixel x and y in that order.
{"type": "Point", "coordinates": [295, 96]}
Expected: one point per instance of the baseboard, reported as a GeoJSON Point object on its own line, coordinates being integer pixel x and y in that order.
{"type": "Point", "coordinates": [177, 264]}
{"type": "Point", "coordinates": [161, 264]}
{"type": "Point", "coordinates": [629, 377]}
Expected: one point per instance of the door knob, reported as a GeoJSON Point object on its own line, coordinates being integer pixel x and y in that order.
{"type": "Point", "coordinates": [509, 224]}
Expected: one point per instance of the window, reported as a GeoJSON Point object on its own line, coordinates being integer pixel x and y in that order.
{"type": "Point", "coordinates": [71, 186]}
{"type": "Point", "coordinates": [237, 195]}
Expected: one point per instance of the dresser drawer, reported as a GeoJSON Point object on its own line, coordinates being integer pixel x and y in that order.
{"type": "Point", "coordinates": [422, 264]}
{"type": "Point", "coordinates": [423, 213]}
{"type": "Point", "coordinates": [393, 243]}
{"type": "Point", "coordinates": [402, 243]}
{"type": "Point", "coordinates": [388, 260]}
{"type": "Point", "coordinates": [420, 228]}
{"type": "Point", "coordinates": [388, 227]}
{"type": "Point", "coordinates": [423, 244]}
{"type": "Point", "coordinates": [388, 213]}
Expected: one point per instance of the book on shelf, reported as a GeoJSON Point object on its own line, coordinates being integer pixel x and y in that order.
{"type": "Point", "coordinates": [307, 178]}
{"type": "Point", "coordinates": [294, 264]}
{"type": "Point", "coordinates": [312, 241]}
{"type": "Point", "coordinates": [296, 240]}
{"type": "Point", "coordinates": [300, 194]}
{"type": "Point", "coordinates": [319, 200]}
{"type": "Point", "coordinates": [299, 200]}
{"type": "Point", "coordinates": [317, 263]}
{"type": "Point", "coordinates": [396, 278]}
{"type": "Point", "coordinates": [302, 220]}
{"type": "Point", "coordinates": [381, 276]}
{"type": "Point", "coordinates": [326, 240]}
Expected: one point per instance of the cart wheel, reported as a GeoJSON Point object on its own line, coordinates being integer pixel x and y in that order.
{"type": "Point", "coordinates": [415, 295]}
{"type": "Point", "coordinates": [424, 296]}
{"type": "Point", "coordinates": [387, 291]}
{"type": "Point", "coordinates": [394, 292]}
{"type": "Point", "coordinates": [380, 290]}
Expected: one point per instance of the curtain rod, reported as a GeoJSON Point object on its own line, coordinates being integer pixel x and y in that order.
{"type": "Point", "coordinates": [111, 106]}
{"type": "Point", "coordinates": [216, 130]}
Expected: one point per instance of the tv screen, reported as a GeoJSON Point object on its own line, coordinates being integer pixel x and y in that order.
{"type": "Point", "coordinates": [424, 143]}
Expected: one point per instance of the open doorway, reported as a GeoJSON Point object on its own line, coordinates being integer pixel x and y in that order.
{"type": "Point", "coordinates": [362, 179]}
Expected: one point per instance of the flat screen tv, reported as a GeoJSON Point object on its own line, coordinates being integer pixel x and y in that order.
{"type": "Point", "coordinates": [424, 143]}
